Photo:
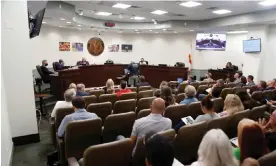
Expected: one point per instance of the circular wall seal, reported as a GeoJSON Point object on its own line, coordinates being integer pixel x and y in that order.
{"type": "Point", "coordinates": [95, 46]}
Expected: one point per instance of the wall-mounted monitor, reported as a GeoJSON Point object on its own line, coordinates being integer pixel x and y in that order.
{"type": "Point", "coordinates": [252, 45]}
{"type": "Point", "coordinates": [210, 41]}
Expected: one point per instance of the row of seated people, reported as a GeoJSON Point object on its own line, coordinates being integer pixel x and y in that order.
{"type": "Point", "coordinates": [154, 122]}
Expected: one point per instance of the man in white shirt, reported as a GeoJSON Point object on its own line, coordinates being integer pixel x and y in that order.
{"type": "Point", "coordinates": [69, 94]}
{"type": "Point", "coordinates": [154, 122]}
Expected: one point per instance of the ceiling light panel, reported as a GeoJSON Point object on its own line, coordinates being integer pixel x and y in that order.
{"type": "Point", "coordinates": [121, 6]}
{"type": "Point", "coordinates": [268, 3]}
{"type": "Point", "coordinates": [237, 32]}
{"type": "Point", "coordinates": [62, 19]}
{"type": "Point", "coordinates": [159, 12]}
{"type": "Point", "coordinates": [190, 4]}
{"type": "Point", "coordinates": [103, 13]}
{"type": "Point", "coordinates": [138, 18]}
{"type": "Point", "coordinates": [221, 11]}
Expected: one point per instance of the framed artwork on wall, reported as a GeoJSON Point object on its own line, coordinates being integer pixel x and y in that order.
{"type": "Point", "coordinates": [113, 48]}
{"type": "Point", "coordinates": [64, 46]}
{"type": "Point", "coordinates": [126, 47]}
{"type": "Point", "coordinates": [77, 47]}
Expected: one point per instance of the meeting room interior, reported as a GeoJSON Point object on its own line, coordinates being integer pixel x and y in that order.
{"type": "Point", "coordinates": [138, 83]}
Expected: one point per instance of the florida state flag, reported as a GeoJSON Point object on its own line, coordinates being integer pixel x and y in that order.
{"type": "Point", "coordinates": [190, 58]}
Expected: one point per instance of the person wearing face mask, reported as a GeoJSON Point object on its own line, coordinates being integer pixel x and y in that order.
{"type": "Point", "coordinates": [44, 68]}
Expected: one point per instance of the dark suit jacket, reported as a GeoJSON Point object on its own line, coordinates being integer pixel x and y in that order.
{"type": "Point", "coordinates": [46, 71]}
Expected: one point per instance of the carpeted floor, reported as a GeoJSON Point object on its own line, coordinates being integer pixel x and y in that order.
{"type": "Point", "coordinates": [35, 154]}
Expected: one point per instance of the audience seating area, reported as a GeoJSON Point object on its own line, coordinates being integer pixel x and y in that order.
{"type": "Point", "coordinates": [117, 117]}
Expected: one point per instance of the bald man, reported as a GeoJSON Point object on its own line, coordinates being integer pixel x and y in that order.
{"type": "Point", "coordinates": [154, 122]}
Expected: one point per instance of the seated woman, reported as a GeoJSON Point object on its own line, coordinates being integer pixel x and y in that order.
{"type": "Point", "coordinates": [166, 95]}
{"type": "Point", "coordinates": [269, 129]}
{"type": "Point", "coordinates": [242, 82]}
{"type": "Point", "coordinates": [232, 104]}
{"type": "Point", "coordinates": [190, 93]}
{"type": "Point", "coordinates": [215, 150]}
{"type": "Point", "coordinates": [215, 90]}
{"type": "Point", "coordinates": [73, 86]}
{"type": "Point", "coordinates": [251, 140]}
{"type": "Point", "coordinates": [229, 65]}
{"type": "Point", "coordinates": [142, 82]}
{"type": "Point", "coordinates": [208, 78]}
{"type": "Point", "coordinates": [207, 109]}
{"type": "Point", "coordinates": [109, 85]}
{"type": "Point", "coordinates": [246, 100]}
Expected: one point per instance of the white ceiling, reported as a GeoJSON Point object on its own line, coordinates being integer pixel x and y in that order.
{"type": "Point", "coordinates": [173, 8]}
{"type": "Point", "coordinates": [200, 18]}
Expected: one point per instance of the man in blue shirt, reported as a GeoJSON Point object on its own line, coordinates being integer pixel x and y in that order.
{"type": "Point", "coordinates": [80, 90]}
{"type": "Point", "coordinates": [79, 114]}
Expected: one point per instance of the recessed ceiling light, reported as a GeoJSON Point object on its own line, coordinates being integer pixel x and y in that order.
{"type": "Point", "coordinates": [156, 32]}
{"type": "Point", "coordinates": [190, 4]}
{"type": "Point", "coordinates": [79, 25]}
{"type": "Point", "coordinates": [191, 30]}
{"type": "Point", "coordinates": [121, 6]}
{"type": "Point", "coordinates": [79, 28]}
{"type": "Point", "coordinates": [103, 13]}
{"type": "Point", "coordinates": [150, 30]}
{"type": "Point", "coordinates": [62, 19]}
{"type": "Point", "coordinates": [268, 3]}
{"type": "Point", "coordinates": [164, 29]}
{"type": "Point", "coordinates": [138, 18]}
{"type": "Point", "coordinates": [68, 22]}
{"type": "Point", "coordinates": [137, 32]}
{"type": "Point", "coordinates": [174, 32]}
{"type": "Point", "coordinates": [159, 12]}
{"type": "Point", "coordinates": [43, 22]}
{"type": "Point", "coordinates": [80, 12]}
{"type": "Point", "coordinates": [222, 11]}
{"type": "Point", "coordinates": [237, 32]}
{"type": "Point", "coordinates": [60, 26]}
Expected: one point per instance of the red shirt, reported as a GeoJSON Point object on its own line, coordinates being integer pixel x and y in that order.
{"type": "Point", "coordinates": [119, 93]}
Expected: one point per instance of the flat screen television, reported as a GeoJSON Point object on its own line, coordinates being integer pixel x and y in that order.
{"type": "Point", "coordinates": [210, 41]}
{"type": "Point", "coordinates": [35, 23]}
{"type": "Point", "coordinates": [252, 45]}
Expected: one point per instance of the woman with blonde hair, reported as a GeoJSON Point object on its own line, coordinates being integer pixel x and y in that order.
{"type": "Point", "coordinates": [73, 86]}
{"type": "Point", "coordinates": [232, 104]}
{"type": "Point", "coordinates": [215, 150]}
{"type": "Point", "coordinates": [109, 84]}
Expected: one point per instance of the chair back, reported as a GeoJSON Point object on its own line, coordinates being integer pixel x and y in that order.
{"type": "Point", "coordinates": [181, 87]}
{"type": "Point", "coordinates": [187, 141]}
{"type": "Point", "coordinates": [258, 96]}
{"type": "Point", "coordinates": [144, 103]}
{"type": "Point", "coordinates": [143, 88]}
{"type": "Point", "coordinates": [176, 112]}
{"type": "Point", "coordinates": [218, 104]}
{"type": "Point", "coordinates": [123, 106]}
{"type": "Point", "coordinates": [60, 114]}
{"type": "Point", "coordinates": [219, 123]}
{"type": "Point", "coordinates": [145, 93]}
{"type": "Point", "coordinates": [81, 134]}
{"type": "Point", "coordinates": [231, 84]}
{"type": "Point", "coordinates": [157, 93]}
{"type": "Point", "coordinates": [203, 83]}
{"type": "Point", "coordinates": [110, 91]}
{"type": "Point", "coordinates": [118, 124]}
{"type": "Point", "coordinates": [143, 113]}
{"type": "Point", "coordinates": [180, 97]}
{"type": "Point", "coordinates": [274, 94]}
{"type": "Point", "coordinates": [225, 92]}
{"type": "Point", "coordinates": [89, 100]}
{"type": "Point", "coordinates": [253, 88]}
{"type": "Point", "coordinates": [234, 121]}
{"type": "Point", "coordinates": [170, 134]}
{"type": "Point", "coordinates": [237, 89]}
{"type": "Point", "coordinates": [38, 68]}
{"type": "Point", "coordinates": [129, 95]}
{"type": "Point", "coordinates": [267, 94]}
{"type": "Point", "coordinates": [55, 65]}
{"type": "Point", "coordinates": [194, 109]}
{"type": "Point", "coordinates": [195, 84]}
{"type": "Point", "coordinates": [133, 89]}
{"type": "Point", "coordinates": [97, 92]}
{"type": "Point", "coordinates": [108, 98]}
{"type": "Point", "coordinates": [258, 112]}
{"type": "Point", "coordinates": [113, 153]}
{"type": "Point", "coordinates": [268, 159]}
{"type": "Point", "coordinates": [102, 110]}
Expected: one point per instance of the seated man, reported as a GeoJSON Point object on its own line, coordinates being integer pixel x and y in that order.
{"type": "Point", "coordinates": [261, 86]}
{"type": "Point", "coordinates": [80, 90]}
{"type": "Point", "coordinates": [123, 89]}
{"type": "Point", "coordinates": [69, 94]}
{"type": "Point", "coordinates": [208, 78]}
{"type": "Point", "coordinates": [83, 62]}
{"type": "Point", "coordinates": [190, 93]}
{"type": "Point", "coordinates": [215, 90]}
{"type": "Point", "coordinates": [142, 82]}
{"type": "Point", "coordinates": [237, 78]}
{"type": "Point", "coordinates": [79, 114]}
{"type": "Point", "coordinates": [250, 81]}
{"type": "Point", "coordinates": [190, 80]}
{"type": "Point", "coordinates": [159, 151]}
{"type": "Point", "coordinates": [143, 62]}
{"type": "Point", "coordinates": [154, 122]}
{"type": "Point", "coordinates": [60, 64]}
{"type": "Point", "coordinates": [46, 72]}
{"type": "Point", "coordinates": [271, 84]}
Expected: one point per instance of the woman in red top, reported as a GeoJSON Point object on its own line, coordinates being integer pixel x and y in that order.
{"type": "Point", "coordinates": [123, 89]}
